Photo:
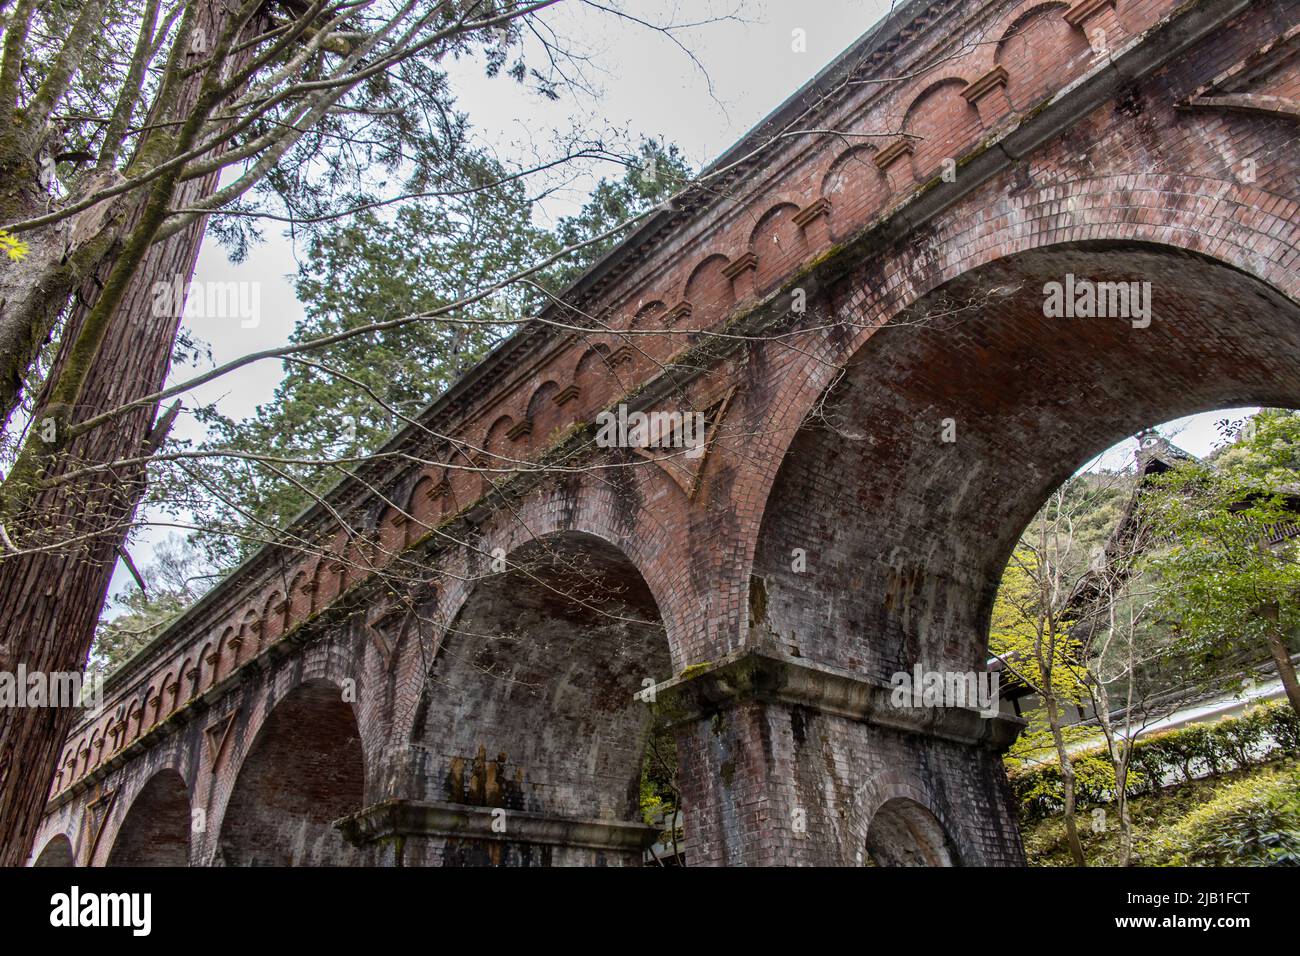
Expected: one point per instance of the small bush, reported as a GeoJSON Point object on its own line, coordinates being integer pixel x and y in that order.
{"type": "Point", "coordinates": [1233, 742]}
{"type": "Point", "coordinates": [1252, 822]}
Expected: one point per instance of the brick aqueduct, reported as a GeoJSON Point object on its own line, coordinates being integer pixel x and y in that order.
{"type": "Point", "coordinates": [309, 711]}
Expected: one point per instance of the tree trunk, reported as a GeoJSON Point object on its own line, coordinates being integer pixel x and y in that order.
{"type": "Point", "coordinates": [1285, 669]}
{"type": "Point", "coordinates": [1067, 777]}
{"type": "Point", "coordinates": [50, 600]}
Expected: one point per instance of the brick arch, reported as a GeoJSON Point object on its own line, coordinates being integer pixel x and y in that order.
{"type": "Point", "coordinates": [1218, 338]}
{"type": "Point", "coordinates": [542, 412]}
{"type": "Point", "coordinates": [943, 123]}
{"type": "Point", "coordinates": [1121, 208]}
{"type": "Point", "coordinates": [228, 653]}
{"type": "Point", "coordinates": [299, 601]}
{"type": "Point", "coordinates": [853, 185]}
{"type": "Point", "coordinates": [424, 506]}
{"type": "Point", "coordinates": [155, 829]}
{"type": "Point", "coordinates": [1034, 28]}
{"type": "Point", "coordinates": [130, 730]}
{"type": "Point", "coordinates": [645, 315]}
{"type": "Point", "coordinates": [274, 611]}
{"type": "Point", "coordinates": [709, 291]}
{"type": "Point", "coordinates": [777, 242]}
{"type": "Point", "coordinates": [939, 838]}
{"type": "Point", "coordinates": [57, 851]}
{"type": "Point", "coordinates": [549, 654]}
{"type": "Point", "coordinates": [304, 768]}
{"type": "Point", "coordinates": [592, 508]}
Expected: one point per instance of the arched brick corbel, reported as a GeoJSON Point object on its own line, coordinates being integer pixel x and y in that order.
{"type": "Point", "coordinates": [989, 96]}
{"type": "Point", "coordinates": [682, 310]}
{"type": "Point", "coordinates": [1099, 23]}
{"type": "Point", "coordinates": [520, 429]}
{"type": "Point", "coordinates": [567, 394]}
{"type": "Point", "coordinates": [812, 219]}
{"type": "Point", "coordinates": [895, 161]}
{"type": "Point", "coordinates": [741, 273]}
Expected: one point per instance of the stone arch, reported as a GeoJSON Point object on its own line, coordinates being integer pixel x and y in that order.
{"type": "Point", "coordinates": [304, 770]}
{"type": "Point", "coordinates": [56, 852]}
{"type": "Point", "coordinates": [156, 828]}
{"type": "Point", "coordinates": [544, 660]}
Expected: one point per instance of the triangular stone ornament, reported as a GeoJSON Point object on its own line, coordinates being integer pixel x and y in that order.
{"type": "Point", "coordinates": [97, 811]}
{"type": "Point", "coordinates": [686, 469]}
{"type": "Point", "coordinates": [387, 625]}
{"type": "Point", "coordinates": [217, 734]}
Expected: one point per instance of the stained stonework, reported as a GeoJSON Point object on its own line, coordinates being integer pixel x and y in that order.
{"type": "Point", "coordinates": [896, 304]}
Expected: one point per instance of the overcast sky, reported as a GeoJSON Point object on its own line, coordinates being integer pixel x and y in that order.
{"type": "Point", "coordinates": [648, 86]}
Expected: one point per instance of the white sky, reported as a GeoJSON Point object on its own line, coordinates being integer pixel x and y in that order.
{"type": "Point", "coordinates": [647, 86]}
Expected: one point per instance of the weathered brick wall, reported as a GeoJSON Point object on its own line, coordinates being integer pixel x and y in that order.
{"type": "Point", "coordinates": [1132, 164]}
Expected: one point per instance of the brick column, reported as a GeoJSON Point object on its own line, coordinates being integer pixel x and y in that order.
{"type": "Point", "coordinates": [786, 762]}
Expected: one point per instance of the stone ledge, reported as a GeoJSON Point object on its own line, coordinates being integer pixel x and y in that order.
{"type": "Point", "coordinates": [400, 817]}
{"type": "Point", "coordinates": [756, 675]}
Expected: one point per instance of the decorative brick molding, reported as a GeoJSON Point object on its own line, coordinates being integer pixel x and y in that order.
{"type": "Point", "coordinates": [408, 818]}
{"type": "Point", "coordinates": [520, 429]}
{"type": "Point", "coordinates": [741, 273]}
{"type": "Point", "coordinates": [566, 395]}
{"type": "Point", "coordinates": [1085, 11]}
{"type": "Point", "coordinates": [812, 220]}
{"type": "Point", "coordinates": [682, 310]}
{"type": "Point", "coordinates": [895, 161]}
{"type": "Point", "coordinates": [989, 96]}
{"type": "Point", "coordinates": [752, 675]}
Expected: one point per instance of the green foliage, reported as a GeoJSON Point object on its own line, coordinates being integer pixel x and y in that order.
{"type": "Point", "coordinates": [1233, 742]}
{"type": "Point", "coordinates": [1250, 822]}
{"type": "Point", "coordinates": [175, 579]}
{"type": "Point", "coordinates": [659, 172]}
{"type": "Point", "coordinates": [342, 402]}
{"type": "Point", "coordinates": [1231, 579]}
{"type": "Point", "coordinates": [1160, 821]}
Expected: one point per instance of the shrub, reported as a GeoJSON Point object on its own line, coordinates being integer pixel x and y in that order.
{"type": "Point", "coordinates": [1252, 822]}
{"type": "Point", "coordinates": [1231, 742]}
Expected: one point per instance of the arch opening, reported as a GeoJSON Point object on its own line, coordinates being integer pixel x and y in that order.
{"type": "Point", "coordinates": [904, 833]}
{"type": "Point", "coordinates": [955, 422]}
{"type": "Point", "coordinates": [305, 770]}
{"type": "Point", "coordinates": [57, 852]}
{"type": "Point", "coordinates": [156, 830]}
{"type": "Point", "coordinates": [530, 705]}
